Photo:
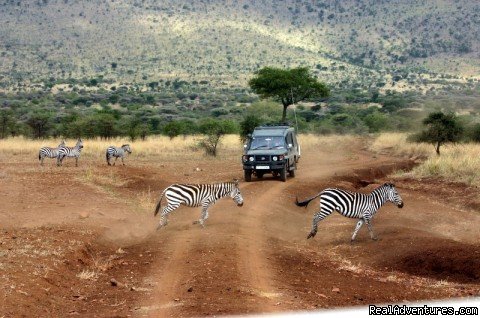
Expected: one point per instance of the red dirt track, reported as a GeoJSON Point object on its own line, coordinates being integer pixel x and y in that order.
{"type": "Point", "coordinates": [72, 244]}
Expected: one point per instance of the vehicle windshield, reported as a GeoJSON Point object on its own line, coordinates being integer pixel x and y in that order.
{"type": "Point", "coordinates": [264, 142]}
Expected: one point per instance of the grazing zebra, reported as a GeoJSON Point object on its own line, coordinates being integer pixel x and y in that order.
{"type": "Point", "coordinates": [70, 152]}
{"type": "Point", "coordinates": [49, 152]}
{"type": "Point", "coordinates": [353, 205]}
{"type": "Point", "coordinates": [193, 195]}
{"type": "Point", "coordinates": [117, 152]}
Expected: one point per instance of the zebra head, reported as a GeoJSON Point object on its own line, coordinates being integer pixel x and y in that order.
{"type": "Point", "coordinates": [79, 143]}
{"type": "Point", "coordinates": [236, 195]}
{"type": "Point", "coordinates": [392, 195]}
{"type": "Point", "coordinates": [126, 147]}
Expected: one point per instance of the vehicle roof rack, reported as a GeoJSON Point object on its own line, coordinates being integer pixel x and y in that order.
{"type": "Point", "coordinates": [274, 126]}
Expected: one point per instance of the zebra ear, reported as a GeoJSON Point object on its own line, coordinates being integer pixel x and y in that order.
{"type": "Point", "coordinates": [390, 185]}
{"type": "Point", "coordinates": [236, 181]}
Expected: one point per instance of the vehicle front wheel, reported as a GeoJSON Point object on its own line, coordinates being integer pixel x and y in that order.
{"type": "Point", "coordinates": [248, 175]}
{"type": "Point", "coordinates": [292, 172]}
{"type": "Point", "coordinates": [283, 174]}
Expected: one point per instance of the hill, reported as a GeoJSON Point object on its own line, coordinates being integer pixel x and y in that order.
{"type": "Point", "coordinates": [354, 43]}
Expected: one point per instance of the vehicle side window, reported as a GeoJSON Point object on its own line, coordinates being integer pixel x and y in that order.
{"type": "Point", "coordinates": [289, 139]}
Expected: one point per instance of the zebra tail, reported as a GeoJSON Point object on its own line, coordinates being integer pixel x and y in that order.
{"type": "Point", "coordinates": [39, 156]}
{"type": "Point", "coordinates": [306, 202]}
{"type": "Point", "coordinates": [157, 208]}
{"type": "Point", "coordinates": [106, 155]}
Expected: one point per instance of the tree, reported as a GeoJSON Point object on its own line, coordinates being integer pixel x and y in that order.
{"type": "Point", "coordinates": [287, 86]}
{"type": "Point", "coordinates": [214, 130]}
{"type": "Point", "coordinates": [247, 125]}
{"type": "Point", "coordinates": [174, 128]}
{"type": "Point", "coordinates": [40, 122]}
{"type": "Point", "coordinates": [441, 128]}
{"type": "Point", "coordinates": [6, 121]}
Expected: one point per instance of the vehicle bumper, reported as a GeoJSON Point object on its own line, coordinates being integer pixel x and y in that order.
{"type": "Point", "coordinates": [264, 166]}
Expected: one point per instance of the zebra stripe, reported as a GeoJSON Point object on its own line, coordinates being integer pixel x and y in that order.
{"type": "Point", "coordinates": [194, 195]}
{"type": "Point", "coordinates": [70, 152]}
{"type": "Point", "coordinates": [117, 153]}
{"type": "Point", "coordinates": [353, 205]}
{"type": "Point", "coordinates": [48, 152]}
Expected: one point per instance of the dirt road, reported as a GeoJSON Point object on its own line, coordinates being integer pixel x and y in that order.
{"type": "Point", "coordinates": [252, 259]}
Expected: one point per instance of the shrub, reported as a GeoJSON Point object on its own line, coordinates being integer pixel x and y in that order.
{"type": "Point", "coordinates": [214, 130]}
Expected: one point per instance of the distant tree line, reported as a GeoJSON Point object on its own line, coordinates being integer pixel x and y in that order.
{"type": "Point", "coordinates": [177, 107]}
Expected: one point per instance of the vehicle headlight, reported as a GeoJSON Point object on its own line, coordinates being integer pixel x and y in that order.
{"type": "Point", "coordinates": [251, 158]}
{"type": "Point", "coordinates": [274, 158]}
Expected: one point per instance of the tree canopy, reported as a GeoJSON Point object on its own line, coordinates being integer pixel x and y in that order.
{"type": "Point", "coordinates": [441, 128]}
{"type": "Point", "coordinates": [287, 86]}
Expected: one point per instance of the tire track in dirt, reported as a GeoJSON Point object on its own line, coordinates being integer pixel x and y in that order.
{"type": "Point", "coordinates": [253, 262]}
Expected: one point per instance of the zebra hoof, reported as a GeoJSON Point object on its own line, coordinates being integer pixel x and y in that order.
{"type": "Point", "coordinates": [195, 222]}
{"type": "Point", "coordinates": [311, 234]}
{"type": "Point", "coordinates": [375, 238]}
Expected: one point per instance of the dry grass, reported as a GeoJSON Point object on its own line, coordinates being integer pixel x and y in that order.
{"type": "Point", "coordinates": [459, 163]}
{"type": "Point", "coordinates": [160, 148]}
{"type": "Point", "coordinates": [88, 275]}
{"type": "Point", "coordinates": [396, 144]}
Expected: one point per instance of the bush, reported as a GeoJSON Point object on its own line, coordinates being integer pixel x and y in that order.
{"type": "Point", "coordinates": [214, 130]}
{"type": "Point", "coordinates": [474, 133]}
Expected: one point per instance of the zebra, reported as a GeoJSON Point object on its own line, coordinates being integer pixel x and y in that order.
{"type": "Point", "coordinates": [194, 195]}
{"type": "Point", "coordinates": [49, 152]}
{"type": "Point", "coordinates": [70, 152]}
{"type": "Point", "coordinates": [117, 152]}
{"type": "Point", "coordinates": [353, 205]}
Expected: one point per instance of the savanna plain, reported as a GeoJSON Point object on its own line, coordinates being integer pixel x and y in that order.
{"type": "Point", "coordinates": [83, 240]}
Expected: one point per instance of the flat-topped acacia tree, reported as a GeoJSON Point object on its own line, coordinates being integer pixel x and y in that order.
{"type": "Point", "coordinates": [287, 86]}
{"type": "Point", "coordinates": [441, 129]}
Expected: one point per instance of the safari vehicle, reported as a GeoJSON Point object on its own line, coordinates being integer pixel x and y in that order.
{"type": "Point", "coordinates": [271, 149]}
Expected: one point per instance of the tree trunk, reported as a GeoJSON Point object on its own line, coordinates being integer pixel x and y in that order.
{"type": "Point", "coordinates": [284, 115]}
{"type": "Point", "coordinates": [437, 148]}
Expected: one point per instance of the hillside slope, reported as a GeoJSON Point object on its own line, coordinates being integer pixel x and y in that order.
{"type": "Point", "coordinates": [224, 41]}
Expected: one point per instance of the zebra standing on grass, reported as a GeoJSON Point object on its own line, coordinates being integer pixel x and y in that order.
{"type": "Point", "coordinates": [117, 152]}
{"type": "Point", "coordinates": [49, 152]}
{"type": "Point", "coordinates": [194, 195]}
{"type": "Point", "coordinates": [353, 205]}
{"type": "Point", "coordinates": [70, 152]}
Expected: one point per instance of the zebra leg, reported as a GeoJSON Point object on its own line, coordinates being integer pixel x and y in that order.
{"type": "Point", "coordinates": [317, 218]}
{"type": "Point", "coordinates": [368, 221]}
{"type": "Point", "coordinates": [357, 228]}
{"type": "Point", "coordinates": [164, 216]}
{"type": "Point", "coordinates": [108, 160]}
{"type": "Point", "coordinates": [123, 163]}
{"type": "Point", "coordinates": [115, 160]}
{"type": "Point", "coordinates": [76, 161]}
{"type": "Point", "coordinates": [41, 160]}
{"type": "Point", "coordinates": [203, 216]}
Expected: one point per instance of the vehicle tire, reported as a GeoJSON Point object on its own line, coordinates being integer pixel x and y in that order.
{"type": "Point", "coordinates": [248, 175]}
{"type": "Point", "coordinates": [283, 174]}
{"type": "Point", "coordinates": [292, 172]}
